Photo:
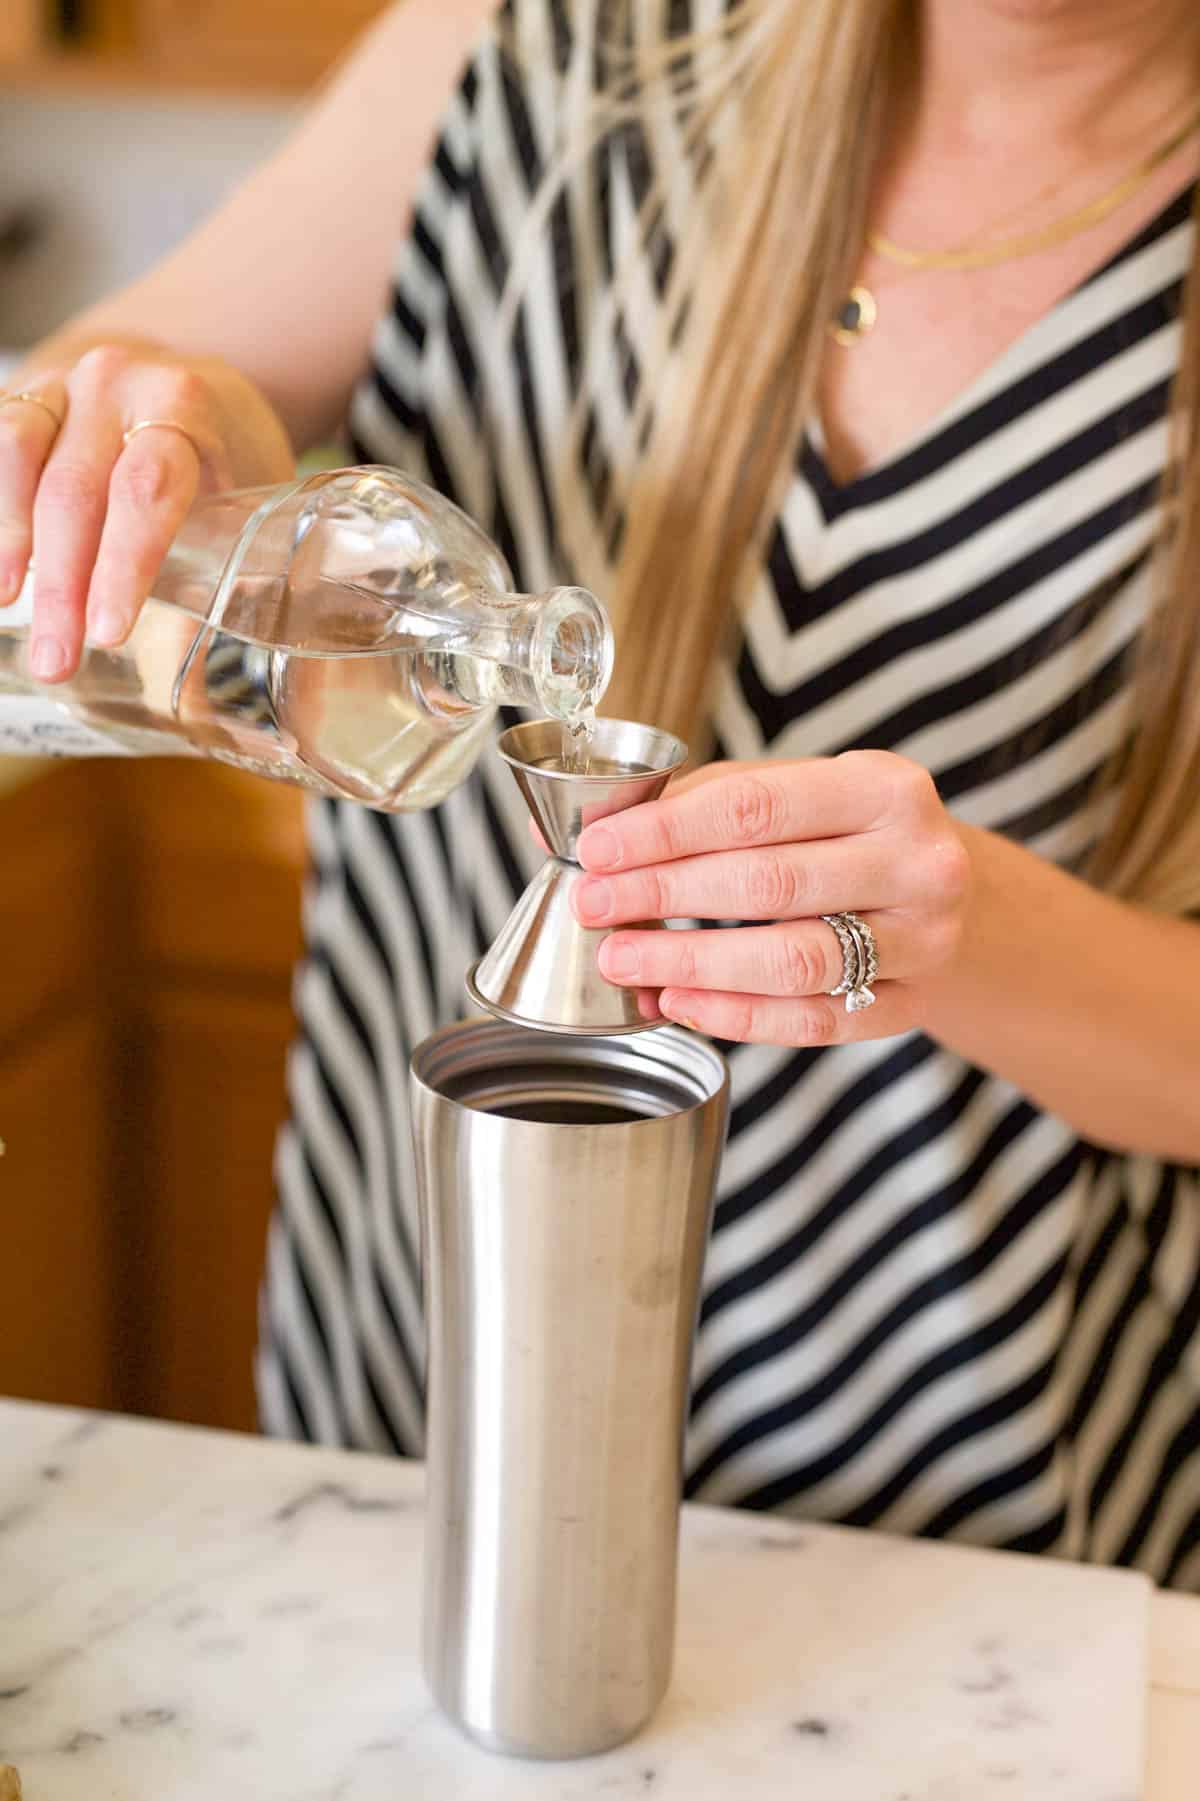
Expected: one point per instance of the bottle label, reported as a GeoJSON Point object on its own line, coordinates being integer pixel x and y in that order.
{"type": "Point", "coordinates": [33, 727]}
{"type": "Point", "coordinates": [35, 724]}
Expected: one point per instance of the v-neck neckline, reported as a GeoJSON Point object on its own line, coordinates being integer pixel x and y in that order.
{"type": "Point", "coordinates": [1006, 366]}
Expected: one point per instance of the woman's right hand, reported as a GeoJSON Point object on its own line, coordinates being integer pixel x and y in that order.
{"type": "Point", "coordinates": [97, 503]}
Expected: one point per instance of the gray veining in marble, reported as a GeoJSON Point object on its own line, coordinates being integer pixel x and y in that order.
{"type": "Point", "coordinates": [187, 1616]}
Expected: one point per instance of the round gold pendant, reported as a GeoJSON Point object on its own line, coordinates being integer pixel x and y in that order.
{"type": "Point", "coordinates": [855, 317]}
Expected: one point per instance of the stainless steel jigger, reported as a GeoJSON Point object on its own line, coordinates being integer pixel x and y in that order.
{"type": "Point", "coordinates": [542, 971]}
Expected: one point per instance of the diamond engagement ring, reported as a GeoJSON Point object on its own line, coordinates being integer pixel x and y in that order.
{"type": "Point", "coordinates": [860, 959]}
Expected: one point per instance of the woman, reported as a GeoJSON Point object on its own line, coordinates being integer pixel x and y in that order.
{"type": "Point", "coordinates": [923, 583]}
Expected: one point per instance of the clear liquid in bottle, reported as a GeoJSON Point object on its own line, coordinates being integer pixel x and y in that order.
{"type": "Point", "coordinates": [353, 633]}
{"type": "Point", "coordinates": [357, 726]}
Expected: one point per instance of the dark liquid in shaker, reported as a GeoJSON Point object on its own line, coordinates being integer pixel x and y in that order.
{"type": "Point", "coordinates": [566, 1093]}
{"type": "Point", "coordinates": [569, 1113]}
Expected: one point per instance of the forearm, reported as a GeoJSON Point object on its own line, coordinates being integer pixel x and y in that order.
{"type": "Point", "coordinates": [1090, 1006]}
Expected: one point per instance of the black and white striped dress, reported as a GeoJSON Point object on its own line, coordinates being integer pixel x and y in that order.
{"type": "Point", "coordinates": [928, 1306]}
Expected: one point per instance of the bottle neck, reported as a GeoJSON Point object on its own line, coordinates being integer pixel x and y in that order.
{"type": "Point", "coordinates": [548, 653]}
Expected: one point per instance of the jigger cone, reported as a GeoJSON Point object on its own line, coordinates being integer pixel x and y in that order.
{"type": "Point", "coordinates": [542, 971]}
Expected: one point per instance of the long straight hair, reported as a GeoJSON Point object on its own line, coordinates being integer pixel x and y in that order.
{"type": "Point", "coordinates": [779, 106]}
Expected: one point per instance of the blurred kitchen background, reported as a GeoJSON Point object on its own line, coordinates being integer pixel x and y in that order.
{"type": "Point", "coordinates": [149, 911]}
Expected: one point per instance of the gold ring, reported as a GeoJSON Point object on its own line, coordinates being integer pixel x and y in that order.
{"type": "Point", "coordinates": [32, 400]}
{"type": "Point", "coordinates": [163, 425]}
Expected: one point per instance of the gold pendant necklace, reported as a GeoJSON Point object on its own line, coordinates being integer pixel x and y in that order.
{"type": "Point", "coordinates": [858, 312]}
{"type": "Point", "coordinates": [855, 317]}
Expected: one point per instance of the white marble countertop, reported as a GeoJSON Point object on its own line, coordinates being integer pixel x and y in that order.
{"type": "Point", "coordinates": [187, 1614]}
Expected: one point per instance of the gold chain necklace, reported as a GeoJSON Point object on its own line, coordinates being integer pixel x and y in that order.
{"type": "Point", "coordinates": [858, 312]}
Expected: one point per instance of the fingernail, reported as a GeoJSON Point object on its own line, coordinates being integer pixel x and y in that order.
{"type": "Point", "coordinates": [47, 658]}
{"type": "Point", "coordinates": [601, 847]}
{"type": "Point", "coordinates": [106, 625]}
{"type": "Point", "coordinates": [647, 1004]}
{"type": "Point", "coordinates": [620, 960]}
{"type": "Point", "coordinates": [670, 1009]}
{"type": "Point", "coordinates": [593, 900]}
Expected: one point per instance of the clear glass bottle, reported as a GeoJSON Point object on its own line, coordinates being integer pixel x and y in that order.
{"type": "Point", "coordinates": [353, 632]}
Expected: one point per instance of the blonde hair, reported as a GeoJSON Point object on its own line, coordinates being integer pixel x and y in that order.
{"type": "Point", "coordinates": [779, 108]}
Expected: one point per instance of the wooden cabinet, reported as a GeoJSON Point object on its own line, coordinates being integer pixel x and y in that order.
{"type": "Point", "coordinates": [59, 1238]}
{"type": "Point", "coordinates": [149, 924]}
{"type": "Point", "coordinates": [208, 1075]}
{"type": "Point", "coordinates": [21, 29]}
{"type": "Point", "coordinates": [267, 46]}
{"type": "Point", "coordinates": [60, 1296]}
{"type": "Point", "coordinates": [214, 913]}
{"type": "Point", "coordinates": [270, 43]}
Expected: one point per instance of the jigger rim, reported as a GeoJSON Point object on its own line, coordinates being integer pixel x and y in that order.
{"type": "Point", "coordinates": [531, 1023]}
{"type": "Point", "coordinates": [520, 745]}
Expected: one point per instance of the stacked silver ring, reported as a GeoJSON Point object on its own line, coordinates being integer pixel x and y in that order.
{"type": "Point", "coordinates": [860, 959]}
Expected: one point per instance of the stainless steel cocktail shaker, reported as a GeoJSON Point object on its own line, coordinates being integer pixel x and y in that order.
{"type": "Point", "coordinates": [566, 1187]}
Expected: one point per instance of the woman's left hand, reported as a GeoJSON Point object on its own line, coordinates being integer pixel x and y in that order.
{"type": "Point", "coordinates": [780, 843]}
